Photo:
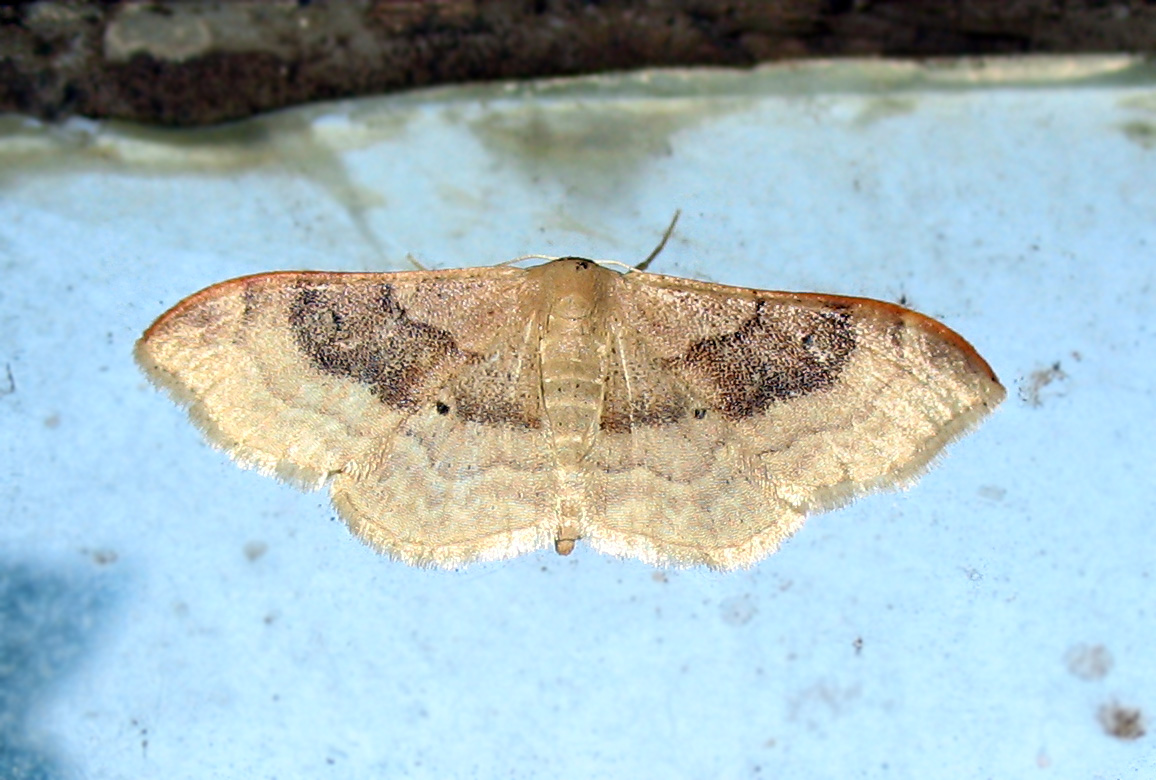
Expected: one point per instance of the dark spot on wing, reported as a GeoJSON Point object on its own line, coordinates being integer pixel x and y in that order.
{"type": "Point", "coordinates": [895, 333]}
{"type": "Point", "coordinates": [778, 354]}
{"type": "Point", "coordinates": [250, 303]}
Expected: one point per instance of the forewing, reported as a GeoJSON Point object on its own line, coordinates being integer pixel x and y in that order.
{"type": "Point", "coordinates": [469, 476]}
{"type": "Point", "coordinates": [368, 378]}
{"type": "Point", "coordinates": [787, 404]}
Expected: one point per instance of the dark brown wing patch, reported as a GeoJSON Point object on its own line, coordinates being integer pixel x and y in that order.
{"type": "Point", "coordinates": [632, 397]}
{"type": "Point", "coordinates": [503, 389]}
{"type": "Point", "coordinates": [361, 333]}
{"type": "Point", "coordinates": [779, 353]}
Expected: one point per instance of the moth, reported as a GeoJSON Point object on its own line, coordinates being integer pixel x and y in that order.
{"type": "Point", "coordinates": [482, 413]}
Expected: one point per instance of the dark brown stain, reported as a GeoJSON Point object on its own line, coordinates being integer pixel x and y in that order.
{"type": "Point", "coordinates": [1125, 723]}
{"type": "Point", "coordinates": [775, 356]}
{"type": "Point", "coordinates": [1089, 662]}
{"type": "Point", "coordinates": [1031, 391]}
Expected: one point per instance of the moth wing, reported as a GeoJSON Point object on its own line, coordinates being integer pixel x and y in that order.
{"type": "Point", "coordinates": [471, 476]}
{"type": "Point", "coordinates": [358, 377]}
{"type": "Point", "coordinates": [748, 410]}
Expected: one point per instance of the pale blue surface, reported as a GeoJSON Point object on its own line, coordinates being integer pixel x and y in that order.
{"type": "Point", "coordinates": [927, 634]}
